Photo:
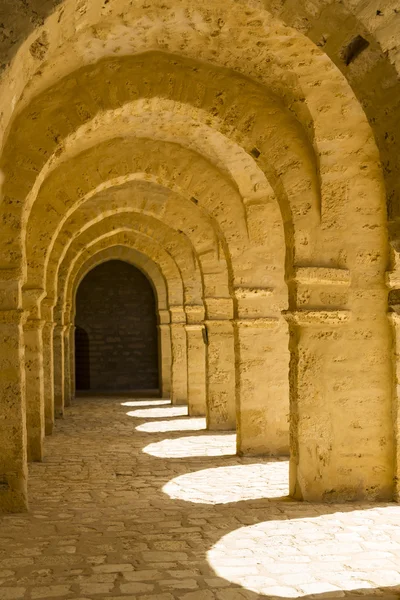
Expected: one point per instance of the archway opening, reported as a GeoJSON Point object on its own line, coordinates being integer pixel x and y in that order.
{"type": "Point", "coordinates": [116, 330]}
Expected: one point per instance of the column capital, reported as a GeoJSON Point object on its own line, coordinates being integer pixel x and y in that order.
{"type": "Point", "coordinates": [164, 316]}
{"type": "Point", "coordinates": [59, 328]}
{"type": "Point", "coordinates": [178, 315]}
{"type": "Point", "coordinates": [15, 316]}
{"type": "Point", "coordinates": [194, 313]}
{"type": "Point", "coordinates": [32, 323]}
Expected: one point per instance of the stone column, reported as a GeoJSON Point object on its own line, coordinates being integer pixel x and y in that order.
{"type": "Point", "coordinates": [67, 364]}
{"type": "Point", "coordinates": [262, 390]}
{"type": "Point", "coordinates": [72, 388]}
{"type": "Point", "coordinates": [261, 335]}
{"type": "Point", "coordinates": [34, 388]}
{"type": "Point", "coordinates": [58, 354]}
{"type": "Point", "coordinates": [196, 373]}
{"type": "Point", "coordinates": [13, 456]}
{"type": "Point", "coordinates": [340, 379]}
{"type": "Point", "coordinates": [314, 447]}
{"type": "Point", "coordinates": [179, 356]}
{"type": "Point", "coordinates": [394, 318]}
{"type": "Point", "coordinates": [196, 360]}
{"type": "Point", "coordinates": [48, 376]}
{"type": "Point", "coordinates": [220, 365]}
{"type": "Point", "coordinates": [164, 353]}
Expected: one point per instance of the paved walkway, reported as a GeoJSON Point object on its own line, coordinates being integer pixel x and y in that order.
{"type": "Point", "coordinates": [135, 500]}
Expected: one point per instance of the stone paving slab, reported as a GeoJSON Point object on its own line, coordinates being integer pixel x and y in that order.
{"type": "Point", "coordinates": [142, 506]}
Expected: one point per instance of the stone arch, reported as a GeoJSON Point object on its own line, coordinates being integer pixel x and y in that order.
{"type": "Point", "coordinates": [115, 246]}
{"type": "Point", "coordinates": [157, 280]}
{"type": "Point", "coordinates": [172, 320]}
{"type": "Point", "coordinates": [345, 275]}
{"type": "Point", "coordinates": [130, 323]}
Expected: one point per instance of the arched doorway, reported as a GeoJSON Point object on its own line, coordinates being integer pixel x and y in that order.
{"type": "Point", "coordinates": [116, 330]}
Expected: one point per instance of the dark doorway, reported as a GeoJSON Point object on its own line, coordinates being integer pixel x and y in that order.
{"type": "Point", "coordinates": [82, 359]}
{"type": "Point", "coordinates": [116, 330]}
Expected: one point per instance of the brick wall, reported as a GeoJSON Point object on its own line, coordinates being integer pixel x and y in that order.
{"type": "Point", "coordinates": [116, 308]}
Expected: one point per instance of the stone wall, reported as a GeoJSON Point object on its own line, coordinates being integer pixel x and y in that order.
{"type": "Point", "coordinates": [116, 308]}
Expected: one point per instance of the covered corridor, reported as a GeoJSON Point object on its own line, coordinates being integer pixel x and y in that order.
{"type": "Point", "coordinates": [135, 500]}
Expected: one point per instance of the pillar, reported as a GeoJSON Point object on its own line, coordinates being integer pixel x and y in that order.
{"type": "Point", "coordinates": [196, 360]}
{"type": "Point", "coordinates": [340, 379]}
{"type": "Point", "coordinates": [394, 319]}
{"type": "Point", "coordinates": [262, 355]}
{"type": "Point", "coordinates": [165, 353]}
{"type": "Point", "coordinates": [262, 386]}
{"type": "Point", "coordinates": [179, 356]}
{"type": "Point", "coordinates": [13, 453]}
{"type": "Point", "coordinates": [72, 387]}
{"type": "Point", "coordinates": [67, 364]}
{"type": "Point", "coordinates": [34, 388]}
{"type": "Point", "coordinates": [58, 354]}
{"type": "Point", "coordinates": [48, 376]}
{"type": "Point", "coordinates": [220, 365]}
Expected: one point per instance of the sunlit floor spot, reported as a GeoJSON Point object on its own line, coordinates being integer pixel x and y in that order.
{"type": "Point", "coordinates": [231, 484]}
{"type": "Point", "coordinates": [292, 558]}
{"type": "Point", "coordinates": [156, 413]}
{"type": "Point", "coordinates": [204, 445]}
{"type": "Point", "coordinates": [178, 425]}
{"type": "Point", "coordinates": [146, 402]}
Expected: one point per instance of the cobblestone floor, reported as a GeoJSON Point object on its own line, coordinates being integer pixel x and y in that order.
{"type": "Point", "coordinates": [135, 500]}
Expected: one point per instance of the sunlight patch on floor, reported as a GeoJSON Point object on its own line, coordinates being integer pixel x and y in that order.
{"type": "Point", "coordinates": [145, 402]}
{"type": "Point", "coordinates": [354, 550]}
{"type": "Point", "coordinates": [204, 445]}
{"type": "Point", "coordinates": [157, 413]}
{"type": "Point", "coordinates": [235, 483]}
{"type": "Point", "coordinates": [192, 424]}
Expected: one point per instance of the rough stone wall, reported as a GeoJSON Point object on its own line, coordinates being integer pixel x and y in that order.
{"type": "Point", "coordinates": [116, 307]}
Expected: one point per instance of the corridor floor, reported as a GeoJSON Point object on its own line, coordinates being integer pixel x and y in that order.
{"type": "Point", "coordinates": [136, 500]}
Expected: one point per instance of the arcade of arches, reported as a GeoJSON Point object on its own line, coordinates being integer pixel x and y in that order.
{"type": "Point", "coordinates": [203, 197]}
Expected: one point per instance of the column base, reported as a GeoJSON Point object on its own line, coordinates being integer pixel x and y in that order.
{"type": "Point", "coordinates": [196, 412]}
{"type": "Point", "coordinates": [48, 427]}
{"type": "Point", "coordinates": [225, 426]}
{"type": "Point", "coordinates": [178, 402]}
{"type": "Point", "coordinates": [13, 500]}
{"type": "Point", "coordinates": [35, 449]}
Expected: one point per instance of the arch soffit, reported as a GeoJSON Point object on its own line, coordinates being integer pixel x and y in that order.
{"type": "Point", "coordinates": [177, 251]}
{"type": "Point", "coordinates": [328, 119]}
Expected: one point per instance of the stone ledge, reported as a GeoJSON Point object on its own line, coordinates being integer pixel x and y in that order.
{"type": "Point", "coordinates": [259, 322]}
{"type": "Point", "coordinates": [321, 275]}
{"type": "Point", "coordinates": [253, 292]}
{"type": "Point", "coordinates": [317, 317]}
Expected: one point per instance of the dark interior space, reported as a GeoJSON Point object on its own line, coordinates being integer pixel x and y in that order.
{"type": "Point", "coordinates": [116, 339]}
